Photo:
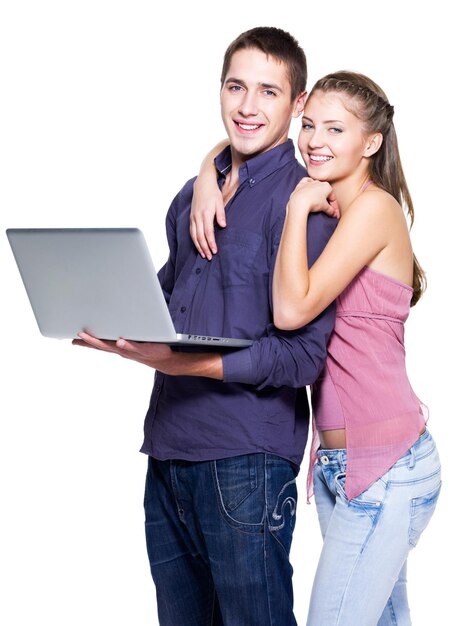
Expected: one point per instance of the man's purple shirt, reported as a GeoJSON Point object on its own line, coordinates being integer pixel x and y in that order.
{"type": "Point", "coordinates": [261, 406]}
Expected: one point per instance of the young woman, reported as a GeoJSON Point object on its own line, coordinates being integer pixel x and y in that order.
{"type": "Point", "coordinates": [375, 468]}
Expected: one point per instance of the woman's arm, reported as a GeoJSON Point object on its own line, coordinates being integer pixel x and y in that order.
{"type": "Point", "coordinates": [301, 294]}
{"type": "Point", "coordinates": [207, 205]}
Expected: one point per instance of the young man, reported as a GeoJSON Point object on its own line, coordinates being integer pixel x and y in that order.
{"type": "Point", "coordinates": [225, 433]}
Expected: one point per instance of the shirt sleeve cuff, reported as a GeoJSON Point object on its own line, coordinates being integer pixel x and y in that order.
{"type": "Point", "coordinates": [238, 367]}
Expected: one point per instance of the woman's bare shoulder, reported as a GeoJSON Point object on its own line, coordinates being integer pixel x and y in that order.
{"type": "Point", "coordinates": [375, 204]}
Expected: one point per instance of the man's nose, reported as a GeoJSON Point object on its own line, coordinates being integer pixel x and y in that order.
{"type": "Point", "coordinates": [249, 104]}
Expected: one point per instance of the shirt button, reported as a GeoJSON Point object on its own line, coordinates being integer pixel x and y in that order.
{"type": "Point", "coordinates": [183, 309]}
{"type": "Point", "coordinates": [198, 271]}
{"type": "Point", "coordinates": [324, 459]}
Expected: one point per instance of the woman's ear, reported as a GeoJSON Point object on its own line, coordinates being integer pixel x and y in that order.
{"type": "Point", "coordinates": [373, 144]}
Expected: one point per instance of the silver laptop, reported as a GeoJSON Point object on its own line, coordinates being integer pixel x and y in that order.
{"type": "Point", "coordinates": [98, 280]}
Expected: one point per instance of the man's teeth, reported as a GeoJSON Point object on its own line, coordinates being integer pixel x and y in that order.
{"type": "Point", "coordinates": [314, 157]}
{"type": "Point", "coordinates": [249, 126]}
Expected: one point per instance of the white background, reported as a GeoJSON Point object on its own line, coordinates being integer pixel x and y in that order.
{"type": "Point", "coordinates": [106, 108]}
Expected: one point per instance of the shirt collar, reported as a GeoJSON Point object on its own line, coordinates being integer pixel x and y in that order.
{"type": "Point", "coordinates": [256, 169]}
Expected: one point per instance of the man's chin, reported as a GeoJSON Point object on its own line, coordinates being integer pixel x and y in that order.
{"type": "Point", "coordinates": [248, 148]}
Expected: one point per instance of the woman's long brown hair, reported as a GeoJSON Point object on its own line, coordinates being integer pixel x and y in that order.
{"type": "Point", "coordinates": [368, 102]}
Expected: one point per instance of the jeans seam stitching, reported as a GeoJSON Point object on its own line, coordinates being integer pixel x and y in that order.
{"type": "Point", "coordinates": [236, 525]}
{"type": "Point", "coordinates": [416, 480]}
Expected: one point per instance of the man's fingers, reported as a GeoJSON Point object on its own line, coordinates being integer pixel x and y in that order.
{"type": "Point", "coordinates": [93, 342]}
{"type": "Point", "coordinates": [80, 342]}
{"type": "Point", "coordinates": [129, 346]}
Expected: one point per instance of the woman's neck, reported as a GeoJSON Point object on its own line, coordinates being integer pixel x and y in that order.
{"type": "Point", "coordinates": [348, 189]}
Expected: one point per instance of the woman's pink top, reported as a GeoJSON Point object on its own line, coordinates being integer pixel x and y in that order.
{"type": "Point", "coordinates": [364, 387]}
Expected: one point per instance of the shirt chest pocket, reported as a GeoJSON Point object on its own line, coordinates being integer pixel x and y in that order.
{"type": "Point", "coordinates": [241, 254]}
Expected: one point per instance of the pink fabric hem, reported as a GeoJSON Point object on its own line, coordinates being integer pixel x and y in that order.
{"type": "Point", "coordinates": [366, 464]}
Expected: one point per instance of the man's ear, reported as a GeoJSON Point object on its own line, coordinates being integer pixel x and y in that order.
{"type": "Point", "coordinates": [373, 144]}
{"type": "Point", "coordinates": [299, 104]}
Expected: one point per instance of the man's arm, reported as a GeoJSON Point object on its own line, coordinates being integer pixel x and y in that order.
{"type": "Point", "coordinates": [292, 358]}
{"type": "Point", "coordinates": [166, 275]}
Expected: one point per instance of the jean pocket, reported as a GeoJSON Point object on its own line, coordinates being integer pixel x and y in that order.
{"type": "Point", "coordinates": [339, 484]}
{"type": "Point", "coordinates": [373, 496]}
{"type": "Point", "coordinates": [421, 511]}
{"type": "Point", "coordinates": [369, 503]}
{"type": "Point", "coordinates": [237, 486]}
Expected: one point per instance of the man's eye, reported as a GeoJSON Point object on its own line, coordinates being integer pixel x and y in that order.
{"type": "Point", "coordinates": [235, 88]}
{"type": "Point", "coordinates": [269, 92]}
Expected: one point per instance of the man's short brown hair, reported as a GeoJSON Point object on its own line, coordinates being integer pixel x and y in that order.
{"type": "Point", "coordinates": [278, 44]}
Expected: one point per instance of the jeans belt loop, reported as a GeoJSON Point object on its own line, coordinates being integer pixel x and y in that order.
{"type": "Point", "coordinates": [412, 463]}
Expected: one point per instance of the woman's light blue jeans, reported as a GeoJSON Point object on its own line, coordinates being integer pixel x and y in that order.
{"type": "Point", "coordinates": [361, 575]}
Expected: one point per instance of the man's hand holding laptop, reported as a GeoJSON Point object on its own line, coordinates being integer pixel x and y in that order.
{"type": "Point", "coordinates": [158, 356]}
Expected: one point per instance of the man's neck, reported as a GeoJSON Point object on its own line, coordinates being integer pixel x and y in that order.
{"type": "Point", "coordinates": [230, 185]}
{"type": "Point", "coordinates": [232, 180]}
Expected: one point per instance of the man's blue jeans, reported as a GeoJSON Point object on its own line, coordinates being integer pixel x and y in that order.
{"type": "Point", "coordinates": [218, 538]}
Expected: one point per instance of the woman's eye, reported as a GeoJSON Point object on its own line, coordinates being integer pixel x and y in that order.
{"type": "Point", "coordinates": [307, 126]}
{"type": "Point", "coordinates": [335, 130]}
